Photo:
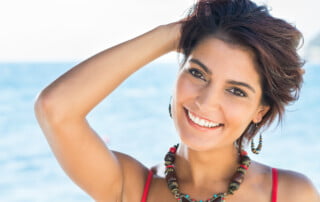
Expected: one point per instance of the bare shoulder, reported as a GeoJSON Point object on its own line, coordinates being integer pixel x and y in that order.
{"type": "Point", "coordinates": [134, 176]}
{"type": "Point", "coordinates": [294, 186]}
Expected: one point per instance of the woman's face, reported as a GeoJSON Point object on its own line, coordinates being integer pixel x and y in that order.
{"type": "Point", "coordinates": [217, 95]}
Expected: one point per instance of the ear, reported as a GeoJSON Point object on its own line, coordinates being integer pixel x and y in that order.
{"type": "Point", "coordinates": [261, 111]}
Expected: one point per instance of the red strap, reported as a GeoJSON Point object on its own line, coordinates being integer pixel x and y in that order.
{"type": "Point", "coordinates": [147, 186]}
{"type": "Point", "coordinates": [274, 195]}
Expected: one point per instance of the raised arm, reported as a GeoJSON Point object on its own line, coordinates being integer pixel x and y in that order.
{"type": "Point", "coordinates": [61, 109]}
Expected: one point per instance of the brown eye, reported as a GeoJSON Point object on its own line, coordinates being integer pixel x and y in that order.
{"type": "Point", "coordinates": [237, 92]}
{"type": "Point", "coordinates": [197, 74]}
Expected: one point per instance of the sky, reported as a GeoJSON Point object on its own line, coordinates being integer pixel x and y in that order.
{"type": "Point", "coordinates": [73, 30]}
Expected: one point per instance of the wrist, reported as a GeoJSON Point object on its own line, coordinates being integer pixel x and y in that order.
{"type": "Point", "coordinates": [172, 34]}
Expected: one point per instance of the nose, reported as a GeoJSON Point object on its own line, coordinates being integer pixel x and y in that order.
{"type": "Point", "coordinates": [209, 99]}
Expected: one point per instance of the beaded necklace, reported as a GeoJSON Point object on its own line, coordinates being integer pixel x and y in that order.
{"type": "Point", "coordinates": [173, 185]}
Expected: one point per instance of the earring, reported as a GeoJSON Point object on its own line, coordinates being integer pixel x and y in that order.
{"type": "Point", "coordinates": [170, 113]}
{"type": "Point", "coordinates": [259, 147]}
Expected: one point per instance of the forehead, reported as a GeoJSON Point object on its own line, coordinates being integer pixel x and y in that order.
{"type": "Point", "coordinates": [227, 59]}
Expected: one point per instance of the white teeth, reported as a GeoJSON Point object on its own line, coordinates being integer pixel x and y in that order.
{"type": "Point", "coordinates": [202, 122]}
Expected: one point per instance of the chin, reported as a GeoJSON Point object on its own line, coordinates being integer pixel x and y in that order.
{"type": "Point", "coordinates": [199, 143]}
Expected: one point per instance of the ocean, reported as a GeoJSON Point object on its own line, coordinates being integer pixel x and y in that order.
{"type": "Point", "coordinates": [133, 120]}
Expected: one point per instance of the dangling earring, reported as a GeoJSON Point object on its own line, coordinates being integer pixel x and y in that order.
{"type": "Point", "coordinates": [170, 113]}
{"type": "Point", "coordinates": [259, 147]}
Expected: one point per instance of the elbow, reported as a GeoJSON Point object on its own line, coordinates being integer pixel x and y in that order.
{"type": "Point", "coordinates": [46, 109]}
{"type": "Point", "coordinates": [42, 106]}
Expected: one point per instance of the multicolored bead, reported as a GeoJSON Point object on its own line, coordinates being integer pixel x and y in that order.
{"type": "Point", "coordinates": [173, 185]}
{"type": "Point", "coordinates": [238, 177]}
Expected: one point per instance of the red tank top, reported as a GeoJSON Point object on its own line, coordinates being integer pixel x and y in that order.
{"type": "Point", "coordinates": [274, 193]}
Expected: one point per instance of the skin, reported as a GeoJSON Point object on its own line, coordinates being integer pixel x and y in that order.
{"type": "Point", "coordinates": [112, 176]}
{"type": "Point", "coordinates": [215, 88]}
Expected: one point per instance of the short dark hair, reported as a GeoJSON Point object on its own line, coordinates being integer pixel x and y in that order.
{"type": "Point", "coordinates": [274, 43]}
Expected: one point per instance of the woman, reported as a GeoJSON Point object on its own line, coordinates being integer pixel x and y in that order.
{"type": "Point", "coordinates": [240, 69]}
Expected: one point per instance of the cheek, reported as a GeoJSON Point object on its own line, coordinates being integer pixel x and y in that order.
{"type": "Point", "coordinates": [185, 92]}
{"type": "Point", "coordinates": [185, 89]}
{"type": "Point", "coordinates": [238, 114]}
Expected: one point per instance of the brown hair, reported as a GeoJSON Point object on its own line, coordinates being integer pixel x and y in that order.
{"type": "Point", "coordinates": [273, 42]}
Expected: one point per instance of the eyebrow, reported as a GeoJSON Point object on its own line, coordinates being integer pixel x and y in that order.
{"type": "Point", "coordinates": [239, 83]}
{"type": "Point", "coordinates": [204, 67]}
{"type": "Point", "coordinates": [207, 70]}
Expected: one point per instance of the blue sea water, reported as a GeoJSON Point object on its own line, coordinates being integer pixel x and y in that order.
{"type": "Point", "coordinates": [134, 120]}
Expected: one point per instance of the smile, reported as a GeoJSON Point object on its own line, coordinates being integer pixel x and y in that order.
{"type": "Point", "coordinates": [202, 122]}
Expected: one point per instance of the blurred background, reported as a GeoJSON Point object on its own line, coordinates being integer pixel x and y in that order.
{"type": "Point", "coordinates": [41, 39]}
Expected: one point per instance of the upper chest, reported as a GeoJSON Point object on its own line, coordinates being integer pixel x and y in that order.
{"type": "Point", "coordinates": [249, 191]}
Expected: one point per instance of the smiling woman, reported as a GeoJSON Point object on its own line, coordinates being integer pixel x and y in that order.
{"type": "Point", "coordinates": [240, 69]}
{"type": "Point", "coordinates": [208, 85]}
{"type": "Point", "coordinates": [272, 50]}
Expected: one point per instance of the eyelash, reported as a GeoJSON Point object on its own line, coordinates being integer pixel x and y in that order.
{"type": "Point", "coordinates": [197, 74]}
{"type": "Point", "coordinates": [237, 92]}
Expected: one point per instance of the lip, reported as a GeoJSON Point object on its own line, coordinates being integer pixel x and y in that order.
{"type": "Point", "coordinates": [198, 126]}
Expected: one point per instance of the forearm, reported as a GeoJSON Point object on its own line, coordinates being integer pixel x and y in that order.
{"type": "Point", "coordinates": [83, 87]}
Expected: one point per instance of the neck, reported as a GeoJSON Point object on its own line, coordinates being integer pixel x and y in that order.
{"type": "Point", "coordinates": [206, 167]}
